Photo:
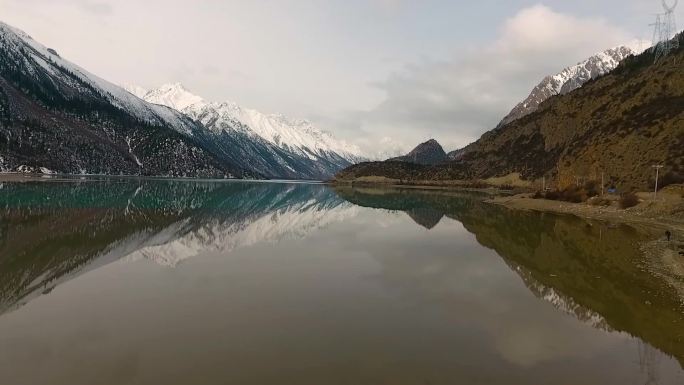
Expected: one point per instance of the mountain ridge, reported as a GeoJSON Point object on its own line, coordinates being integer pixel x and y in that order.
{"type": "Point", "coordinates": [279, 146]}
{"type": "Point", "coordinates": [568, 80]}
{"type": "Point", "coordinates": [297, 135]}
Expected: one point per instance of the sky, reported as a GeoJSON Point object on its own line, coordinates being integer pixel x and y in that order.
{"type": "Point", "coordinates": [382, 74]}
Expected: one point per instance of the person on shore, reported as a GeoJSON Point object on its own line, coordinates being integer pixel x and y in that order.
{"type": "Point", "coordinates": [668, 234]}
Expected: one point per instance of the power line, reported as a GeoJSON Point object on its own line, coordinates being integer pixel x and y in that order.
{"type": "Point", "coordinates": [665, 28]}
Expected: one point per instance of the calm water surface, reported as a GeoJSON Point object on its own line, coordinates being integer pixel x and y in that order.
{"type": "Point", "coordinates": [176, 282]}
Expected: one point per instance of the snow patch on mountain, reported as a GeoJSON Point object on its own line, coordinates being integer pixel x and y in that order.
{"type": "Point", "coordinates": [136, 90]}
{"type": "Point", "coordinates": [297, 136]}
{"type": "Point", "coordinates": [569, 80]}
{"type": "Point", "coordinates": [172, 95]}
{"type": "Point", "coordinates": [48, 60]}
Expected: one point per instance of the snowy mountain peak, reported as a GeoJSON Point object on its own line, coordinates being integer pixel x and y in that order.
{"type": "Point", "coordinates": [173, 95]}
{"type": "Point", "coordinates": [569, 79]}
{"type": "Point", "coordinates": [298, 136]}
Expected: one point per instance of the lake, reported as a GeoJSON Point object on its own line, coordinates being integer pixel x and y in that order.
{"type": "Point", "coordinates": [125, 281]}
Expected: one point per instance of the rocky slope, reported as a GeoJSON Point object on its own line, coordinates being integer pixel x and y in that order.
{"type": "Point", "coordinates": [566, 81]}
{"type": "Point", "coordinates": [569, 80]}
{"type": "Point", "coordinates": [284, 147]}
{"type": "Point", "coordinates": [428, 153]}
{"type": "Point", "coordinates": [617, 125]}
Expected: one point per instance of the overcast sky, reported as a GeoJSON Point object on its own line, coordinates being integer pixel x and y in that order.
{"type": "Point", "coordinates": [378, 73]}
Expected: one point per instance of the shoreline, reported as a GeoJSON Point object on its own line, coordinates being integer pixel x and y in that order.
{"type": "Point", "coordinates": [26, 178]}
{"type": "Point", "coordinates": [642, 216]}
{"type": "Point", "coordinates": [425, 187]}
{"type": "Point", "coordinates": [645, 215]}
{"type": "Point", "coordinates": [446, 185]}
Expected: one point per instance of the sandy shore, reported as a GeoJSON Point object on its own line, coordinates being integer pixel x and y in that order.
{"type": "Point", "coordinates": [419, 187]}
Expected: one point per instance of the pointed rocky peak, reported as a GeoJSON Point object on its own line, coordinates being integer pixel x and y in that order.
{"type": "Point", "coordinates": [428, 153]}
{"type": "Point", "coordinates": [173, 95]}
{"type": "Point", "coordinates": [432, 143]}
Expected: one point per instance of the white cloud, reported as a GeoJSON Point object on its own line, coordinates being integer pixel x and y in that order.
{"type": "Point", "coordinates": [456, 101]}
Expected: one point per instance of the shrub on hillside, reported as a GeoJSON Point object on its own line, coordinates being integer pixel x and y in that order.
{"type": "Point", "coordinates": [574, 194]}
{"type": "Point", "coordinates": [593, 188]}
{"type": "Point", "coordinates": [629, 200]}
{"type": "Point", "coordinates": [476, 184]}
{"type": "Point", "coordinates": [552, 195]}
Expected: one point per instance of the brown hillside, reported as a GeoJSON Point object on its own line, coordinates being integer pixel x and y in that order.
{"type": "Point", "coordinates": [619, 125]}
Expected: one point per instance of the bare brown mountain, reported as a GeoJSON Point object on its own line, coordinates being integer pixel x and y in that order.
{"type": "Point", "coordinates": [619, 124]}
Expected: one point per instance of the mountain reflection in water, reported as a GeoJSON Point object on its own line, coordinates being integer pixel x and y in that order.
{"type": "Point", "coordinates": [52, 233]}
{"type": "Point", "coordinates": [585, 268]}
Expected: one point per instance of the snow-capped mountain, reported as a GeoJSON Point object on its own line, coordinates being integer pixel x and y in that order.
{"type": "Point", "coordinates": [238, 143]}
{"type": "Point", "coordinates": [55, 115]}
{"type": "Point", "coordinates": [569, 80]}
{"type": "Point", "coordinates": [41, 58]}
{"type": "Point", "coordinates": [296, 136]}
